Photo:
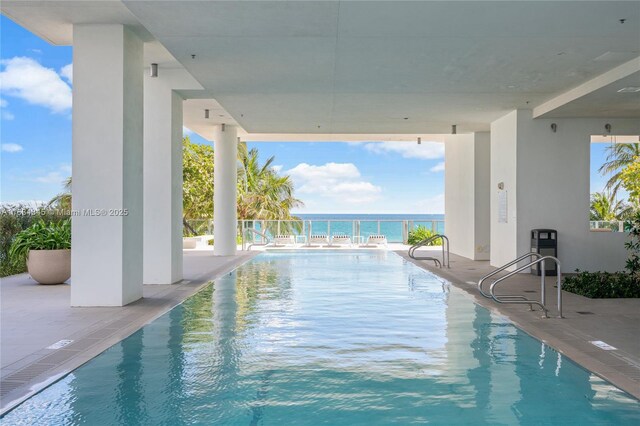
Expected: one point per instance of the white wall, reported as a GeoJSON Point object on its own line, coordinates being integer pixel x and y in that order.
{"type": "Point", "coordinates": [503, 169]}
{"type": "Point", "coordinates": [552, 187]}
{"type": "Point", "coordinates": [106, 255]}
{"type": "Point", "coordinates": [466, 194]}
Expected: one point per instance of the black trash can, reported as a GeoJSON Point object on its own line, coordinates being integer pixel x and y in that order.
{"type": "Point", "coordinates": [545, 243]}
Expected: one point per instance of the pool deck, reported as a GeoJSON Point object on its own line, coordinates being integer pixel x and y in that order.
{"type": "Point", "coordinates": [35, 317]}
{"type": "Point", "coordinates": [613, 321]}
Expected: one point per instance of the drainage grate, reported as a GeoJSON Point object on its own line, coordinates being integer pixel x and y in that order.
{"type": "Point", "coordinates": [8, 386]}
{"type": "Point", "coordinates": [28, 373]}
{"type": "Point", "coordinates": [584, 313]}
{"type": "Point", "coordinates": [530, 291]}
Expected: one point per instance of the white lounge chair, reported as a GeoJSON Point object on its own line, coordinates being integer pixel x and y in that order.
{"type": "Point", "coordinates": [318, 240]}
{"type": "Point", "coordinates": [340, 240]}
{"type": "Point", "coordinates": [376, 240]}
{"type": "Point", "coordinates": [284, 240]}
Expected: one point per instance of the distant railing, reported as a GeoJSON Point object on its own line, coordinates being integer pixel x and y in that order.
{"type": "Point", "coordinates": [607, 225]}
{"type": "Point", "coordinates": [396, 230]}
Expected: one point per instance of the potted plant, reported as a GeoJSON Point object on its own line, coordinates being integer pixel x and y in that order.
{"type": "Point", "coordinates": [46, 249]}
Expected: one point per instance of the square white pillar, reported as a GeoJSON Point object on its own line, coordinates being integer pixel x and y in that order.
{"type": "Point", "coordinates": [225, 191]}
{"type": "Point", "coordinates": [162, 181]}
{"type": "Point", "coordinates": [467, 180]}
{"type": "Point", "coordinates": [106, 255]}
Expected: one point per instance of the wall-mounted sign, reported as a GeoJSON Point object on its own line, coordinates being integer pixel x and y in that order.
{"type": "Point", "coordinates": [503, 207]}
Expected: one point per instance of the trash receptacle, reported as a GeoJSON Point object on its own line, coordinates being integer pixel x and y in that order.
{"type": "Point", "coordinates": [545, 243]}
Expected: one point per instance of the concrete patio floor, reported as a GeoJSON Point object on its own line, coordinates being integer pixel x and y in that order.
{"type": "Point", "coordinates": [613, 321]}
{"type": "Point", "coordinates": [43, 314]}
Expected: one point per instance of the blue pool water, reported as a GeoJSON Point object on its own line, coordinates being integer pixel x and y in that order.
{"type": "Point", "coordinates": [342, 338]}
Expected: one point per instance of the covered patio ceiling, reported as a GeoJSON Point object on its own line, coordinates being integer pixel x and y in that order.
{"type": "Point", "coordinates": [373, 67]}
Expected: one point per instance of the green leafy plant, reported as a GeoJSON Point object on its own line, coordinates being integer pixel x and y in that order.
{"type": "Point", "coordinates": [633, 246]}
{"type": "Point", "coordinates": [41, 236]}
{"type": "Point", "coordinates": [13, 219]}
{"type": "Point", "coordinates": [602, 284]}
{"type": "Point", "coordinates": [421, 233]}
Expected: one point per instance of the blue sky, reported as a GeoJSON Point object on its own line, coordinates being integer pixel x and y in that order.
{"type": "Point", "coordinates": [35, 103]}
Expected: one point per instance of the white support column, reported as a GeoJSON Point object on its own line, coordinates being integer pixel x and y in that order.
{"type": "Point", "coordinates": [225, 203]}
{"type": "Point", "coordinates": [162, 181]}
{"type": "Point", "coordinates": [106, 257]}
{"type": "Point", "coordinates": [467, 159]}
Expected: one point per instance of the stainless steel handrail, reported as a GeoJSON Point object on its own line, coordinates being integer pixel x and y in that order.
{"type": "Point", "coordinates": [502, 268]}
{"type": "Point", "coordinates": [445, 246]}
{"type": "Point", "coordinates": [255, 231]}
{"type": "Point", "coordinates": [542, 303]}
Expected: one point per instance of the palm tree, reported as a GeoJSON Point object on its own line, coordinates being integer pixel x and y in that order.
{"type": "Point", "coordinates": [604, 207]}
{"type": "Point", "coordinates": [62, 201]}
{"type": "Point", "coordinates": [619, 156]}
{"type": "Point", "coordinates": [262, 193]}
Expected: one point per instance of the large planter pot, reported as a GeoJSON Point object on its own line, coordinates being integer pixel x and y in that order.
{"type": "Point", "coordinates": [49, 266]}
{"type": "Point", "coordinates": [189, 242]}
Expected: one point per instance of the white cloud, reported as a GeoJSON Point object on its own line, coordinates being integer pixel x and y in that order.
{"type": "Point", "coordinates": [26, 79]}
{"type": "Point", "coordinates": [277, 169]}
{"type": "Point", "coordinates": [438, 167]}
{"type": "Point", "coordinates": [186, 131]}
{"type": "Point", "coordinates": [51, 177]}
{"type": "Point", "coordinates": [424, 151]}
{"type": "Point", "coordinates": [11, 147]}
{"type": "Point", "coordinates": [335, 181]}
{"type": "Point", "coordinates": [67, 73]}
{"type": "Point", "coordinates": [4, 114]}
{"type": "Point", "coordinates": [431, 205]}
{"type": "Point", "coordinates": [65, 168]}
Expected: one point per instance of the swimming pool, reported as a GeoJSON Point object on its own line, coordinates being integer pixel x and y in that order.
{"type": "Point", "coordinates": [339, 338]}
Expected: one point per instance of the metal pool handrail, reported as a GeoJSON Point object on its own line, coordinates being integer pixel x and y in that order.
{"type": "Point", "coordinates": [542, 302]}
{"type": "Point", "coordinates": [502, 268]}
{"type": "Point", "coordinates": [263, 235]}
{"type": "Point", "coordinates": [445, 245]}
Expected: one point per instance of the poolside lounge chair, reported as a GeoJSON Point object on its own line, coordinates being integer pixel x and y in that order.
{"type": "Point", "coordinates": [318, 240]}
{"type": "Point", "coordinates": [284, 240]}
{"type": "Point", "coordinates": [376, 240]}
{"type": "Point", "coordinates": [340, 240]}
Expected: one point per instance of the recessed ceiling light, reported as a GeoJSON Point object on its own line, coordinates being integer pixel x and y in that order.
{"type": "Point", "coordinates": [511, 87]}
{"type": "Point", "coordinates": [629, 89]}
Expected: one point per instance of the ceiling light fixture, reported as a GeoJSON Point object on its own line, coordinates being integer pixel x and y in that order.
{"type": "Point", "coordinates": [629, 89]}
{"type": "Point", "coordinates": [419, 140]}
{"type": "Point", "coordinates": [206, 113]}
{"type": "Point", "coordinates": [554, 127]}
{"type": "Point", "coordinates": [454, 129]}
{"type": "Point", "coordinates": [153, 72]}
{"type": "Point", "coordinates": [607, 128]}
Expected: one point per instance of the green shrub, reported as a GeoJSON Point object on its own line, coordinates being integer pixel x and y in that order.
{"type": "Point", "coordinates": [15, 218]}
{"type": "Point", "coordinates": [40, 236]}
{"type": "Point", "coordinates": [600, 285]}
{"type": "Point", "coordinates": [421, 233]}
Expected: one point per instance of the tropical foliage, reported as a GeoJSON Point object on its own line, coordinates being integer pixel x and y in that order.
{"type": "Point", "coordinates": [62, 201]}
{"type": "Point", "coordinates": [630, 180]}
{"type": "Point", "coordinates": [41, 236]}
{"type": "Point", "coordinates": [263, 194]}
{"type": "Point", "coordinates": [197, 180]}
{"type": "Point", "coordinates": [421, 233]}
{"type": "Point", "coordinates": [604, 207]}
{"type": "Point", "coordinates": [619, 157]}
{"type": "Point", "coordinates": [15, 218]}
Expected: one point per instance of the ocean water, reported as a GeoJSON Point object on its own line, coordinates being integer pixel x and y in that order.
{"type": "Point", "coordinates": [389, 225]}
{"type": "Point", "coordinates": [329, 338]}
